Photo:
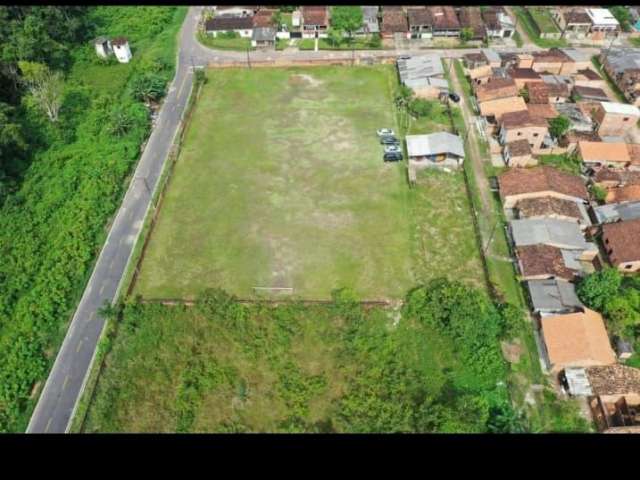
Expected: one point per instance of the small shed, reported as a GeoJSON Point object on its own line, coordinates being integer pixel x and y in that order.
{"type": "Point", "coordinates": [624, 349]}
{"type": "Point", "coordinates": [440, 149]}
{"type": "Point", "coordinates": [103, 47]}
{"type": "Point", "coordinates": [121, 49]}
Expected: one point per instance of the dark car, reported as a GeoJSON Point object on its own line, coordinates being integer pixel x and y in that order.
{"type": "Point", "coordinates": [454, 97]}
{"type": "Point", "coordinates": [389, 140]}
{"type": "Point", "coordinates": [392, 157]}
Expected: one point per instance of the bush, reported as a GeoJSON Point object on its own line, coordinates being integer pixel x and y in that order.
{"type": "Point", "coordinates": [420, 107]}
{"type": "Point", "coordinates": [228, 35]}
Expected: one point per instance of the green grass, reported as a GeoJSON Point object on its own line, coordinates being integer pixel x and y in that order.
{"type": "Point", "coordinates": [542, 18]}
{"type": "Point", "coordinates": [518, 39]}
{"type": "Point", "coordinates": [564, 162]}
{"type": "Point", "coordinates": [617, 92]}
{"type": "Point", "coordinates": [291, 191]}
{"type": "Point", "coordinates": [358, 43]}
{"type": "Point", "coordinates": [443, 225]}
{"type": "Point", "coordinates": [532, 30]}
{"type": "Point", "coordinates": [635, 41]}
{"type": "Point", "coordinates": [239, 43]}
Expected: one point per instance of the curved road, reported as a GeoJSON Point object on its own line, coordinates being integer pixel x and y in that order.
{"type": "Point", "coordinates": [66, 381]}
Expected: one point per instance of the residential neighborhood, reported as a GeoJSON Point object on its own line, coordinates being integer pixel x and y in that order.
{"type": "Point", "coordinates": [320, 219]}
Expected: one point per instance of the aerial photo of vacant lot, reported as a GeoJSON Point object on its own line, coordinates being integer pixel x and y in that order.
{"type": "Point", "coordinates": [281, 184]}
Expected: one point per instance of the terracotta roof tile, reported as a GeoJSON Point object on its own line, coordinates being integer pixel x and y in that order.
{"type": "Point", "coordinates": [315, 15]}
{"type": "Point", "coordinates": [614, 380]}
{"type": "Point", "coordinates": [520, 147]}
{"type": "Point", "coordinates": [496, 87]}
{"type": "Point", "coordinates": [394, 21]}
{"type": "Point", "coordinates": [538, 92]}
{"type": "Point", "coordinates": [500, 106]}
{"type": "Point", "coordinates": [603, 152]}
{"type": "Point", "coordinates": [634, 153]}
{"type": "Point", "coordinates": [522, 119]}
{"type": "Point", "coordinates": [548, 206]}
{"type": "Point", "coordinates": [419, 16]}
{"type": "Point", "coordinates": [539, 260]}
{"type": "Point", "coordinates": [623, 240]}
{"type": "Point", "coordinates": [524, 73]}
{"type": "Point", "coordinates": [577, 339]}
{"type": "Point", "coordinates": [544, 110]}
{"type": "Point", "coordinates": [444, 18]}
{"type": "Point", "coordinates": [517, 181]}
{"type": "Point", "coordinates": [628, 193]}
{"type": "Point", "coordinates": [577, 15]}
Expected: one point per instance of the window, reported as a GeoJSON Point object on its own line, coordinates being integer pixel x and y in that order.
{"type": "Point", "coordinates": [625, 119]}
{"type": "Point", "coordinates": [628, 267]}
{"type": "Point", "coordinates": [519, 134]}
{"type": "Point", "coordinates": [536, 134]}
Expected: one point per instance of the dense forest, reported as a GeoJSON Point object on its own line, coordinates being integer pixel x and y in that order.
{"type": "Point", "coordinates": [71, 128]}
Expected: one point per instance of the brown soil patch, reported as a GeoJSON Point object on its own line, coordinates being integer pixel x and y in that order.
{"type": "Point", "coordinates": [511, 351]}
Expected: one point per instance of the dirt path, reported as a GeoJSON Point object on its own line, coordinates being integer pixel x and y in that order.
{"type": "Point", "coordinates": [522, 31]}
{"type": "Point", "coordinates": [473, 152]}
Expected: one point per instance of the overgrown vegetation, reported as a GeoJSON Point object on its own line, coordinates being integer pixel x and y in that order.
{"type": "Point", "coordinates": [70, 177]}
{"type": "Point", "coordinates": [569, 163]}
{"type": "Point", "coordinates": [222, 366]}
{"type": "Point", "coordinates": [617, 297]}
{"type": "Point", "coordinates": [526, 20]}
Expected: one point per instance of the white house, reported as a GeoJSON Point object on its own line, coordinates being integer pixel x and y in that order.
{"type": "Point", "coordinates": [241, 25]}
{"type": "Point", "coordinates": [103, 47]}
{"type": "Point", "coordinates": [602, 22]}
{"type": "Point", "coordinates": [440, 149]}
{"type": "Point", "coordinates": [234, 10]}
{"type": "Point", "coordinates": [121, 49]}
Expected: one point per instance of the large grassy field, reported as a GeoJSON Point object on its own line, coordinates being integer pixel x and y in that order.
{"type": "Point", "coordinates": [281, 183]}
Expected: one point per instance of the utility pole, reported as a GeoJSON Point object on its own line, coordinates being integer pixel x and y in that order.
{"type": "Point", "coordinates": [248, 59]}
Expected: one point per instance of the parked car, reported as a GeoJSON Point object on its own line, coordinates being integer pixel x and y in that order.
{"type": "Point", "coordinates": [392, 157]}
{"type": "Point", "coordinates": [392, 148]}
{"type": "Point", "coordinates": [404, 57]}
{"type": "Point", "coordinates": [389, 141]}
{"type": "Point", "coordinates": [454, 97]}
{"type": "Point", "coordinates": [385, 132]}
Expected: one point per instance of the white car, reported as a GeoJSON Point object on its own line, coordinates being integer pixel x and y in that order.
{"type": "Point", "coordinates": [392, 148]}
{"type": "Point", "coordinates": [386, 132]}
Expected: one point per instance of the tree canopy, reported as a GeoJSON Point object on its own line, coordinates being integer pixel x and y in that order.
{"type": "Point", "coordinates": [346, 18]}
{"type": "Point", "coordinates": [558, 126]}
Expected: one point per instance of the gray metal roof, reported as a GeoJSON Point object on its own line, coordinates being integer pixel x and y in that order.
{"type": "Point", "coordinates": [491, 55]}
{"type": "Point", "coordinates": [614, 212]}
{"type": "Point", "coordinates": [553, 296]}
{"type": "Point", "coordinates": [578, 381]}
{"type": "Point", "coordinates": [369, 19]}
{"type": "Point", "coordinates": [434, 144]}
{"type": "Point", "coordinates": [419, 67]}
{"type": "Point", "coordinates": [263, 34]}
{"type": "Point", "coordinates": [576, 55]}
{"type": "Point", "coordinates": [549, 231]}
{"type": "Point", "coordinates": [571, 259]}
{"type": "Point", "coordinates": [621, 59]}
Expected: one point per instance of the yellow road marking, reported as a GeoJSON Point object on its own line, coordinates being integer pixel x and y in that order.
{"type": "Point", "coordinates": [102, 288]}
{"type": "Point", "coordinates": [66, 380]}
{"type": "Point", "coordinates": [48, 425]}
{"type": "Point", "coordinates": [79, 345]}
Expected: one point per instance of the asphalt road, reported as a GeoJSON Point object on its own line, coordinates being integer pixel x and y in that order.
{"type": "Point", "coordinates": [66, 380]}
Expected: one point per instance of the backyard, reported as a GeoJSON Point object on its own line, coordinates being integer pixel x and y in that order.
{"type": "Point", "coordinates": [281, 184]}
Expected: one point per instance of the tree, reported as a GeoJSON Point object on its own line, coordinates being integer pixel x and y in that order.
{"type": "Point", "coordinates": [148, 87]}
{"type": "Point", "coordinates": [599, 193]}
{"type": "Point", "coordinates": [466, 34]}
{"type": "Point", "coordinates": [596, 289]}
{"type": "Point", "coordinates": [346, 18]}
{"type": "Point", "coordinates": [623, 16]}
{"type": "Point", "coordinates": [335, 36]}
{"type": "Point", "coordinates": [420, 107]}
{"type": "Point", "coordinates": [45, 86]}
{"type": "Point", "coordinates": [558, 126]}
